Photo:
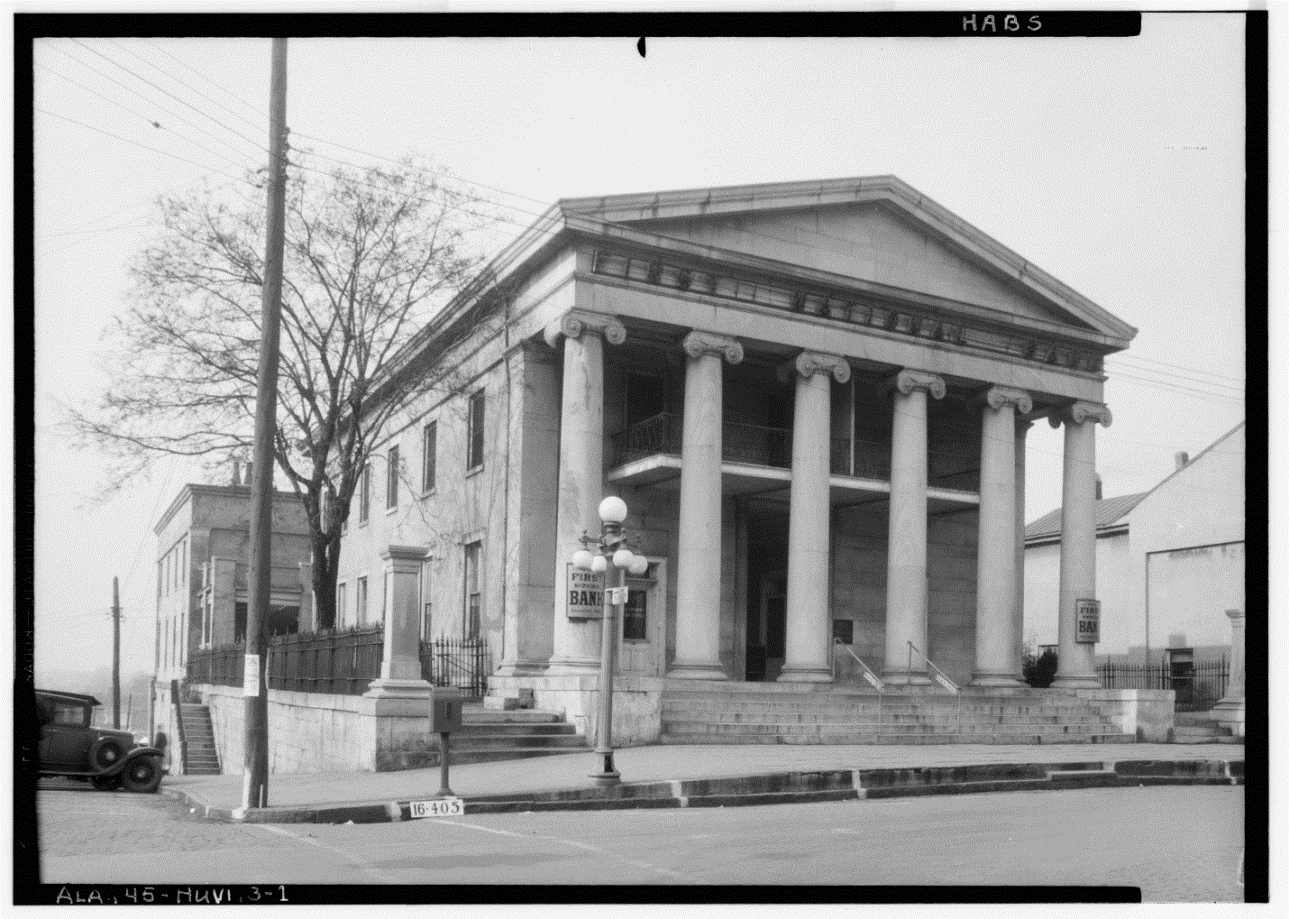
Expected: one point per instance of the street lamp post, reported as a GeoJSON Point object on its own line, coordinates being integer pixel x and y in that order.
{"type": "Point", "coordinates": [612, 554]}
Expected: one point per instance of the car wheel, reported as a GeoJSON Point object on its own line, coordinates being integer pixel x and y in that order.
{"type": "Point", "coordinates": [144, 774]}
{"type": "Point", "coordinates": [106, 782]}
{"type": "Point", "coordinates": [106, 753]}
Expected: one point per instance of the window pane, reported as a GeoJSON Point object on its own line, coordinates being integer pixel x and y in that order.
{"type": "Point", "coordinates": [391, 481]}
{"type": "Point", "coordinates": [473, 600]}
{"type": "Point", "coordinates": [634, 616]}
{"type": "Point", "coordinates": [364, 494]}
{"type": "Point", "coordinates": [431, 445]}
{"type": "Point", "coordinates": [360, 602]}
{"type": "Point", "coordinates": [475, 457]}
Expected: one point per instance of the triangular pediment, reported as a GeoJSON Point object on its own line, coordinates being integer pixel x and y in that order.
{"type": "Point", "coordinates": [877, 231]}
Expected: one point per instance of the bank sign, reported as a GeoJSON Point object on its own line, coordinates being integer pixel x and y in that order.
{"type": "Point", "coordinates": [585, 599]}
{"type": "Point", "coordinates": [1087, 618]}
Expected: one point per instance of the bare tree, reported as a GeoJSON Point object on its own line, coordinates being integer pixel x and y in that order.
{"type": "Point", "coordinates": [372, 255]}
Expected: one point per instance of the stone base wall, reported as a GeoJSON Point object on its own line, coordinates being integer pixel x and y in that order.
{"type": "Point", "coordinates": [637, 703]}
{"type": "Point", "coordinates": [1145, 713]}
{"type": "Point", "coordinates": [319, 732]}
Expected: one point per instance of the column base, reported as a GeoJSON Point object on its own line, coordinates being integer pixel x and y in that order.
{"type": "Point", "coordinates": [697, 670]}
{"type": "Point", "coordinates": [905, 678]}
{"type": "Point", "coordinates": [573, 666]}
{"type": "Point", "coordinates": [522, 668]}
{"type": "Point", "coordinates": [985, 678]}
{"type": "Point", "coordinates": [398, 689]}
{"type": "Point", "coordinates": [804, 674]}
{"type": "Point", "coordinates": [1077, 681]}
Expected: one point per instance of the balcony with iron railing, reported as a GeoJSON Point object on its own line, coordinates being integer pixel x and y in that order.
{"type": "Point", "coordinates": [761, 445]}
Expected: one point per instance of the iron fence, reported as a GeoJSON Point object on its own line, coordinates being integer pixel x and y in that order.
{"type": "Point", "coordinates": [461, 662]}
{"type": "Point", "coordinates": [343, 663]}
{"type": "Point", "coordinates": [1198, 687]}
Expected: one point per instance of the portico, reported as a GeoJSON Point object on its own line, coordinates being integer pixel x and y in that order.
{"type": "Point", "coordinates": [813, 398]}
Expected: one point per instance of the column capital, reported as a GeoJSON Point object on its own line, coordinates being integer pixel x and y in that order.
{"type": "Point", "coordinates": [698, 343]}
{"type": "Point", "coordinates": [575, 323]}
{"type": "Point", "coordinates": [1080, 412]}
{"type": "Point", "coordinates": [998, 396]}
{"type": "Point", "coordinates": [908, 380]}
{"type": "Point", "coordinates": [404, 558]}
{"type": "Point", "coordinates": [808, 363]}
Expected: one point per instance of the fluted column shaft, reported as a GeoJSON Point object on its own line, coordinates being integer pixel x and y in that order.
{"type": "Point", "coordinates": [996, 545]}
{"type": "Point", "coordinates": [698, 581]}
{"type": "Point", "coordinates": [581, 472]}
{"type": "Point", "coordinates": [906, 593]}
{"type": "Point", "coordinates": [808, 607]}
{"type": "Point", "coordinates": [1078, 581]}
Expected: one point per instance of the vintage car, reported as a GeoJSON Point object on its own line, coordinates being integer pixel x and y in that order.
{"type": "Point", "coordinates": [70, 746]}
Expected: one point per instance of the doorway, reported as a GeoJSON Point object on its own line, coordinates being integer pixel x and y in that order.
{"type": "Point", "coordinates": [767, 592]}
{"type": "Point", "coordinates": [641, 630]}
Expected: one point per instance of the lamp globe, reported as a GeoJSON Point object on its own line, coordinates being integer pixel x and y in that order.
{"type": "Point", "coordinates": [582, 560]}
{"type": "Point", "coordinates": [598, 565]}
{"type": "Point", "coordinates": [623, 558]}
{"type": "Point", "coordinates": [613, 509]}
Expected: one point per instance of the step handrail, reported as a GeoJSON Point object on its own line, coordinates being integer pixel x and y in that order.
{"type": "Point", "coordinates": [943, 681]}
{"type": "Point", "coordinates": [944, 677]}
{"type": "Point", "coordinates": [869, 675]}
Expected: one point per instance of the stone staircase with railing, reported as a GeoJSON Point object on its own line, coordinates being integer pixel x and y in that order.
{"type": "Point", "coordinates": [200, 757]}
{"type": "Point", "coordinates": [489, 735]}
{"type": "Point", "coordinates": [775, 713]}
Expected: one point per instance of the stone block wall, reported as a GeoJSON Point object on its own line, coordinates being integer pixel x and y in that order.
{"type": "Point", "coordinates": [319, 732]}
{"type": "Point", "coordinates": [637, 704]}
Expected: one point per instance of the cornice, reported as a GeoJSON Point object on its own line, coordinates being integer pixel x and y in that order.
{"type": "Point", "coordinates": [883, 314]}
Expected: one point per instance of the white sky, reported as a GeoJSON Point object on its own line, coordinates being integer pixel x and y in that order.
{"type": "Point", "coordinates": [1114, 164]}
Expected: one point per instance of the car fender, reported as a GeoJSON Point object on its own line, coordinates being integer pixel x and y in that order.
{"type": "Point", "coordinates": [130, 757]}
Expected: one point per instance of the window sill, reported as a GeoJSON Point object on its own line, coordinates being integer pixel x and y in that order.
{"type": "Point", "coordinates": [390, 510]}
{"type": "Point", "coordinates": [475, 471]}
{"type": "Point", "coordinates": [429, 494]}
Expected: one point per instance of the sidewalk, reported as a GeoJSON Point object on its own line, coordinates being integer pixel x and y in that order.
{"type": "Point", "coordinates": [726, 774]}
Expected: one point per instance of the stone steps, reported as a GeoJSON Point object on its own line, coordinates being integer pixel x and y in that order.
{"type": "Point", "coordinates": [200, 754]}
{"type": "Point", "coordinates": [491, 735]}
{"type": "Point", "coordinates": [724, 714]}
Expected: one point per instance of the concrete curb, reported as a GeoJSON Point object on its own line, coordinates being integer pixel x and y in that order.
{"type": "Point", "coordinates": [771, 788]}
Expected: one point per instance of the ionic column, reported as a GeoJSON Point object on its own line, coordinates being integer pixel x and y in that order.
{"type": "Point", "coordinates": [698, 579]}
{"type": "Point", "coordinates": [581, 472]}
{"type": "Point", "coordinates": [906, 544]}
{"type": "Point", "coordinates": [1076, 667]}
{"type": "Point", "coordinates": [996, 545]}
{"type": "Point", "coordinates": [1018, 623]}
{"type": "Point", "coordinates": [808, 613]}
{"type": "Point", "coordinates": [400, 668]}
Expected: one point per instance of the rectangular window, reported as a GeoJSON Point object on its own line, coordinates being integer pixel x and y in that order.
{"type": "Point", "coordinates": [239, 622]}
{"type": "Point", "coordinates": [391, 480]}
{"type": "Point", "coordinates": [634, 616]}
{"type": "Point", "coordinates": [364, 494]}
{"type": "Point", "coordinates": [427, 600]}
{"type": "Point", "coordinates": [474, 433]}
{"type": "Point", "coordinates": [360, 602]}
{"type": "Point", "coordinates": [430, 443]}
{"type": "Point", "coordinates": [165, 652]}
{"type": "Point", "coordinates": [183, 562]}
{"type": "Point", "coordinates": [473, 600]}
{"type": "Point", "coordinates": [166, 578]}
{"type": "Point", "coordinates": [341, 596]}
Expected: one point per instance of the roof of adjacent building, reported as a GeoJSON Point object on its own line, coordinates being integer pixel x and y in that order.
{"type": "Point", "coordinates": [1108, 512]}
{"type": "Point", "coordinates": [1111, 511]}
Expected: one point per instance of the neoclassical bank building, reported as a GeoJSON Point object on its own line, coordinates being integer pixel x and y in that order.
{"type": "Point", "coordinates": [813, 398]}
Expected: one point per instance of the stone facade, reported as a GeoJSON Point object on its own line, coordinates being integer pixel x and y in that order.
{"type": "Point", "coordinates": [813, 399]}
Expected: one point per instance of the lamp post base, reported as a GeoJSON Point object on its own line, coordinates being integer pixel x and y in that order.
{"type": "Point", "coordinates": [607, 774]}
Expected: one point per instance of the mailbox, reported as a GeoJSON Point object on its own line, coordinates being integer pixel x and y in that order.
{"type": "Point", "coordinates": [445, 710]}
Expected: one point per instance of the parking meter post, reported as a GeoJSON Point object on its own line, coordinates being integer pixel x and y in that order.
{"type": "Point", "coordinates": [444, 790]}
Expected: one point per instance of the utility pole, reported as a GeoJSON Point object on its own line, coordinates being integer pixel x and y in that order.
{"type": "Point", "coordinates": [255, 780]}
{"type": "Point", "coordinates": [116, 653]}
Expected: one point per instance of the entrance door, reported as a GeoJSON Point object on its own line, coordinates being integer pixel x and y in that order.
{"type": "Point", "coordinates": [641, 632]}
{"type": "Point", "coordinates": [774, 612]}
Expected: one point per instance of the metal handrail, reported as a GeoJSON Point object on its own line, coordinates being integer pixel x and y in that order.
{"type": "Point", "coordinates": [943, 680]}
{"type": "Point", "coordinates": [869, 675]}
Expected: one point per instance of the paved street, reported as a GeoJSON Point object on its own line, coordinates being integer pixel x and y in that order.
{"type": "Point", "coordinates": [1178, 844]}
